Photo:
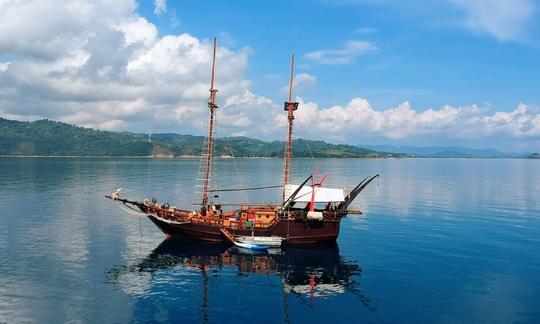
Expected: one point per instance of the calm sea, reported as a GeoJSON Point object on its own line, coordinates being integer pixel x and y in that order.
{"type": "Point", "coordinates": [440, 241]}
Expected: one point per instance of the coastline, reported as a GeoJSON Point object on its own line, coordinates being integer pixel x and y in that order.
{"type": "Point", "coordinates": [258, 157]}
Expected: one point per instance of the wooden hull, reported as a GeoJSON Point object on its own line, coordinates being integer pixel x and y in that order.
{"type": "Point", "coordinates": [294, 231]}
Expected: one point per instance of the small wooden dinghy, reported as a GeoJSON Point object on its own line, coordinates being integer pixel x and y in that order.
{"type": "Point", "coordinates": [270, 241]}
{"type": "Point", "coordinates": [253, 242]}
{"type": "Point", "coordinates": [251, 246]}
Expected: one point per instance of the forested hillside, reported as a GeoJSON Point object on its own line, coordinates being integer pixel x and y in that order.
{"type": "Point", "coordinates": [51, 138]}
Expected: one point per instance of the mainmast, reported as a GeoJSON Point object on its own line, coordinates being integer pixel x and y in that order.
{"type": "Point", "coordinates": [212, 106]}
{"type": "Point", "coordinates": [290, 107]}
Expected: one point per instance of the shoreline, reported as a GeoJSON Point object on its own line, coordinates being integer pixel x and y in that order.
{"type": "Point", "coordinates": [252, 157]}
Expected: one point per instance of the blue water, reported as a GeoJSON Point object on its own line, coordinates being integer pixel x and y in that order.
{"type": "Point", "coordinates": [440, 241]}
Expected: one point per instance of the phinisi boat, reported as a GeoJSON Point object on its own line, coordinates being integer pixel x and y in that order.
{"type": "Point", "coordinates": [307, 213]}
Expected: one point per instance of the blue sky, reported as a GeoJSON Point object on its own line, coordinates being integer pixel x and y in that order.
{"type": "Point", "coordinates": [425, 54]}
{"type": "Point", "coordinates": [442, 72]}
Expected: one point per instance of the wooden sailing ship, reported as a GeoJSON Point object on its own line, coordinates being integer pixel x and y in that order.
{"type": "Point", "coordinates": [297, 219]}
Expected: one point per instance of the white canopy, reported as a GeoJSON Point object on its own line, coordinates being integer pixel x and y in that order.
{"type": "Point", "coordinates": [321, 194]}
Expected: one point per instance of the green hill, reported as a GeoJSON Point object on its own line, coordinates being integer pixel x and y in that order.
{"type": "Point", "coordinates": [51, 138]}
{"type": "Point", "coordinates": [46, 137]}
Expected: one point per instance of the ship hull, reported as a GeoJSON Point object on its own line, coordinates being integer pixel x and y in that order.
{"type": "Point", "coordinates": [294, 231]}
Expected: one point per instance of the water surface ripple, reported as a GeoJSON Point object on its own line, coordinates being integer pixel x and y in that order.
{"type": "Point", "coordinates": [440, 240]}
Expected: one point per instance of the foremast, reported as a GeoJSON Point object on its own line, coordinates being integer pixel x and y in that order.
{"type": "Point", "coordinates": [290, 107]}
{"type": "Point", "coordinates": [212, 106]}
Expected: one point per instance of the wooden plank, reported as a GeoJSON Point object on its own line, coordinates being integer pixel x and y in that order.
{"type": "Point", "coordinates": [228, 235]}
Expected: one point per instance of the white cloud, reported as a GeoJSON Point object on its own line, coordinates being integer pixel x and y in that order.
{"type": "Point", "coordinates": [503, 19]}
{"type": "Point", "coordinates": [48, 29]}
{"type": "Point", "coordinates": [100, 64]}
{"type": "Point", "coordinates": [346, 55]}
{"type": "Point", "coordinates": [138, 30]}
{"type": "Point", "coordinates": [174, 21]}
{"type": "Point", "coordinates": [273, 76]}
{"type": "Point", "coordinates": [302, 79]}
{"type": "Point", "coordinates": [160, 6]}
{"type": "Point", "coordinates": [366, 30]}
{"type": "Point", "coordinates": [358, 118]}
{"type": "Point", "coordinates": [4, 66]}
{"type": "Point", "coordinates": [251, 115]}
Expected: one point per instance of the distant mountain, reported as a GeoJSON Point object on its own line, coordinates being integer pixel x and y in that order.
{"type": "Point", "coordinates": [51, 138]}
{"type": "Point", "coordinates": [534, 156]}
{"type": "Point", "coordinates": [249, 147]}
{"type": "Point", "coordinates": [46, 137]}
{"type": "Point", "coordinates": [442, 152]}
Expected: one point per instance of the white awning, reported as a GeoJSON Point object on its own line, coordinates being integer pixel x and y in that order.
{"type": "Point", "coordinates": [321, 194]}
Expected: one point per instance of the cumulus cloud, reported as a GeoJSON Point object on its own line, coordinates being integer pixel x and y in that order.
{"type": "Point", "coordinates": [345, 55]}
{"type": "Point", "coordinates": [300, 80]}
{"type": "Point", "coordinates": [358, 118]}
{"type": "Point", "coordinates": [100, 64]}
{"type": "Point", "coordinates": [253, 115]}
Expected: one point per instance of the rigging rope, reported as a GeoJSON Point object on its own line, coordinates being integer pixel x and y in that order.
{"type": "Point", "coordinates": [130, 210]}
{"type": "Point", "coordinates": [313, 165]}
{"type": "Point", "coordinates": [245, 189]}
{"type": "Point", "coordinates": [141, 238]}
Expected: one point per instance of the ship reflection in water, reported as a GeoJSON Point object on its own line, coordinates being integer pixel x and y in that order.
{"type": "Point", "coordinates": [213, 278]}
